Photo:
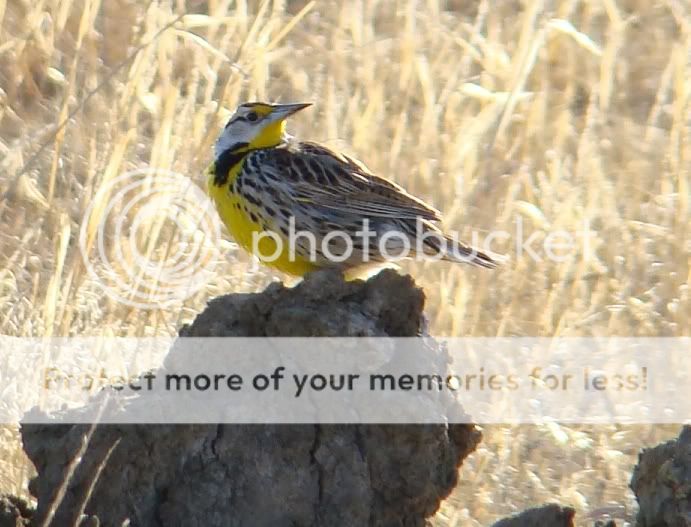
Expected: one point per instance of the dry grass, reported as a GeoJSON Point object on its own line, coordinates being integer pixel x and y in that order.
{"type": "Point", "coordinates": [549, 113]}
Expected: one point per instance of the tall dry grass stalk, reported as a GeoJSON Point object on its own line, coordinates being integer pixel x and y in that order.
{"type": "Point", "coordinates": [565, 115]}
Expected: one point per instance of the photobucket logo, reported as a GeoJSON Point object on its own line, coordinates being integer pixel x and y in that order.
{"type": "Point", "coordinates": [150, 238]}
{"type": "Point", "coordinates": [386, 242]}
{"type": "Point", "coordinates": [372, 242]}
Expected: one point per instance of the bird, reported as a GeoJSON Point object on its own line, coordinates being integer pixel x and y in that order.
{"type": "Point", "coordinates": [294, 204]}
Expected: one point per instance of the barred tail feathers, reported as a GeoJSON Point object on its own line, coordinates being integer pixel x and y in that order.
{"type": "Point", "coordinates": [451, 249]}
{"type": "Point", "coordinates": [462, 253]}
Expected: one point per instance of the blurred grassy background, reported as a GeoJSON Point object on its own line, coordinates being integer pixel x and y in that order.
{"type": "Point", "coordinates": [548, 114]}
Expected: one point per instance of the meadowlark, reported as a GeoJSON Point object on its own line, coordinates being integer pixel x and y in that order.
{"type": "Point", "coordinates": [264, 181]}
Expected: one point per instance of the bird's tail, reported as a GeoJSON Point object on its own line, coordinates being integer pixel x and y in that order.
{"type": "Point", "coordinates": [459, 252]}
{"type": "Point", "coordinates": [451, 249]}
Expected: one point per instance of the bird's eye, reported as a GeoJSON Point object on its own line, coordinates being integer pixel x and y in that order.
{"type": "Point", "coordinates": [252, 116]}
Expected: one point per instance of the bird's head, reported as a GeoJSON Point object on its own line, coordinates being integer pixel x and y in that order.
{"type": "Point", "coordinates": [256, 125]}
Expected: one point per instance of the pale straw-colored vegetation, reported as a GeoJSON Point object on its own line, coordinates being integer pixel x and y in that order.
{"type": "Point", "coordinates": [564, 115]}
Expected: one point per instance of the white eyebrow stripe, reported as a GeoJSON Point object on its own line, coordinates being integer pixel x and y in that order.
{"type": "Point", "coordinates": [236, 119]}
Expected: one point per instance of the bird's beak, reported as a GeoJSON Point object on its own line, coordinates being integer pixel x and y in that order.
{"type": "Point", "coordinates": [280, 112]}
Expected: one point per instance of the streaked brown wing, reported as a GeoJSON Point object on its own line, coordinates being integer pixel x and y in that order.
{"type": "Point", "coordinates": [327, 179]}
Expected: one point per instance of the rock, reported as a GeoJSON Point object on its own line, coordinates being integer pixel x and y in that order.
{"type": "Point", "coordinates": [321, 305]}
{"type": "Point", "coordinates": [662, 483]}
{"type": "Point", "coordinates": [263, 475]}
{"type": "Point", "coordinates": [551, 515]}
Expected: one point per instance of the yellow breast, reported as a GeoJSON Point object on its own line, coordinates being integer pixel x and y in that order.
{"type": "Point", "coordinates": [234, 209]}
